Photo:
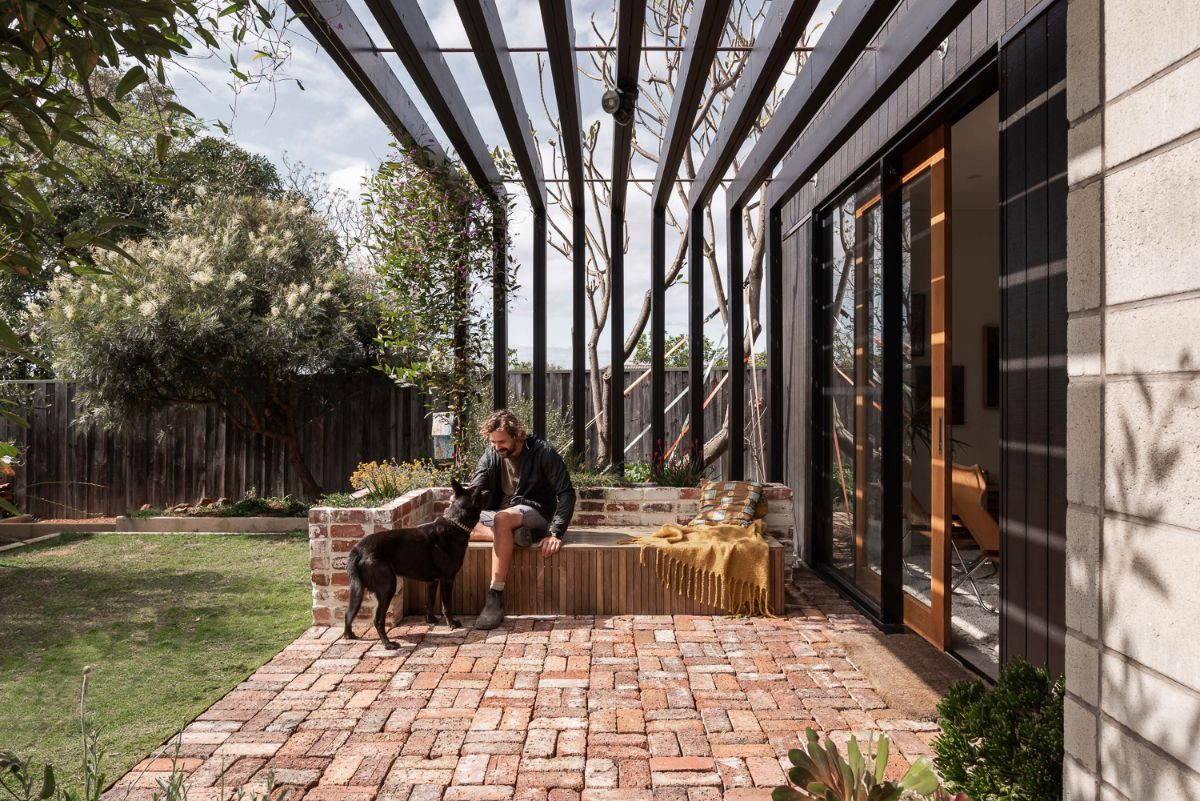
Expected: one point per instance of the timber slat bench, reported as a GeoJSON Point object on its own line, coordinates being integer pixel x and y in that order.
{"type": "Point", "coordinates": [591, 575]}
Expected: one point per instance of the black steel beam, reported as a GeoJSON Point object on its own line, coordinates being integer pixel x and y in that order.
{"type": "Point", "coordinates": [408, 31]}
{"type": "Point", "coordinates": [881, 72]}
{"type": "Point", "coordinates": [564, 74]}
{"type": "Point", "coordinates": [484, 30]}
{"type": "Point", "coordinates": [539, 323]}
{"type": "Point", "coordinates": [342, 35]}
{"type": "Point", "coordinates": [705, 25]}
{"type": "Point", "coordinates": [631, 20]}
{"type": "Point", "coordinates": [773, 46]}
{"type": "Point", "coordinates": [841, 43]}
{"type": "Point", "coordinates": [891, 594]}
{"type": "Point", "coordinates": [703, 37]}
{"type": "Point", "coordinates": [737, 349]}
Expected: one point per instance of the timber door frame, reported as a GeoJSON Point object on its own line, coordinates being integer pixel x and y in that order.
{"type": "Point", "coordinates": [932, 155]}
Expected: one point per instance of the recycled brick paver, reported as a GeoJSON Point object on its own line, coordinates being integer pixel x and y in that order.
{"type": "Point", "coordinates": [622, 708]}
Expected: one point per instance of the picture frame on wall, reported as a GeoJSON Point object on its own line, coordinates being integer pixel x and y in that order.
{"type": "Point", "coordinates": [991, 366]}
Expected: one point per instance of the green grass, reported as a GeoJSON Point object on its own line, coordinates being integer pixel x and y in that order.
{"type": "Point", "coordinates": [169, 624]}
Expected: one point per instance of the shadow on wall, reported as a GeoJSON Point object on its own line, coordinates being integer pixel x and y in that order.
{"type": "Point", "coordinates": [1149, 566]}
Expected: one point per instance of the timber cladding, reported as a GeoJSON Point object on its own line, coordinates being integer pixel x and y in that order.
{"type": "Point", "coordinates": [591, 575]}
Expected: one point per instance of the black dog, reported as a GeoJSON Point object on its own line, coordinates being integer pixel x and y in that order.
{"type": "Point", "coordinates": [432, 553]}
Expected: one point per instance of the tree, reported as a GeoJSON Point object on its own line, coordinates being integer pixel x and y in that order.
{"type": "Point", "coordinates": [665, 23]}
{"type": "Point", "coordinates": [430, 233]}
{"type": "Point", "coordinates": [677, 348]}
{"type": "Point", "coordinates": [50, 52]}
{"type": "Point", "coordinates": [240, 303]}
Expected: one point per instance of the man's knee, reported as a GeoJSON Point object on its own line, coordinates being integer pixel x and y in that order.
{"type": "Point", "coordinates": [506, 521]}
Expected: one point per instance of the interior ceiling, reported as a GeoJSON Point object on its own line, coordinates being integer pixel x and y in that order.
{"type": "Point", "coordinates": [975, 157]}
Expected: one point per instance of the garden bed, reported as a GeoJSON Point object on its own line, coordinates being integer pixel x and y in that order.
{"type": "Point", "coordinates": [582, 580]}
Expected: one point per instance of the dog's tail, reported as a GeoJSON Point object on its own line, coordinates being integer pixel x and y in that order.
{"type": "Point", "coordinates": [356, 592]}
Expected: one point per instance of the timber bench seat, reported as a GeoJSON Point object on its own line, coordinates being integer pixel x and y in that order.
{"type": "Point", "coordinates": [590, 575]}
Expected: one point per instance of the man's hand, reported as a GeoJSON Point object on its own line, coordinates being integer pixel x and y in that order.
{"type": "Point", "coordinates": [550, 546]}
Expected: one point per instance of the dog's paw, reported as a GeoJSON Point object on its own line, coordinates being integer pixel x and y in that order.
{"type": "Point", "coordinates": [454, 624]}
{"type": "Point", "coordinates": [349, 635]}
{"type": "Point", "coordinates": [391, 646]}
{"type": "Point", "coordinates": [431, 619]}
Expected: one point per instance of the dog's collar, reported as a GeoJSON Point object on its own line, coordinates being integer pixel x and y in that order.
{"type": "Point", "coordinates": [456, 524]}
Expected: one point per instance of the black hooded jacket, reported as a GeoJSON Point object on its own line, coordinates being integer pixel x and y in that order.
{"type": "Point", "coordinates": [545, 483]}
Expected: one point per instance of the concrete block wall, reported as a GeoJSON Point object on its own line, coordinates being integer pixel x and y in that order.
{"type": "Point", "coordinates": [1133, 451]}
{"type": "Point", "coordinates": [333, 533]}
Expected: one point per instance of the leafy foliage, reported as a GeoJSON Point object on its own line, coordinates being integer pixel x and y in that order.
{"type": "Point", "coordinates": [821, 773]}
{"type": "Point", "coordinates": [1005, 742]}
{"type": "Point", "coordinates": [241, 303]}
{"type": "Point", "coordinates": [430, 231]}
{"type": "Point", "coordinates": [682, 467]}
{"type": "Point", "coordinates": [50, 54]}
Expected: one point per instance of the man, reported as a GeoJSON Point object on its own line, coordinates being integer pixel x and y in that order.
{"type": "Point", "coordinates": [530, 501]}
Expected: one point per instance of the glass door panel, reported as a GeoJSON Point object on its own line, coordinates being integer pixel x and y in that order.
{"type": "Point", "coordinates": [925, 376]}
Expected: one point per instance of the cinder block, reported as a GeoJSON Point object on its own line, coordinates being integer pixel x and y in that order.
{"type": "Point", "coordinates": [1149, 596]}
{"type": "Point", "coordinates": [1138, 772]}
{"type": "Point", "coordinates": [1083, 57]}
{"type": "Point", "coordinates": [1150, 221]}
{"type": "Point", "coordinates": [1083, 345]}
{"type": "Point", "coordinates": [1161, 337]}
{"type": "Point", "coordinates": [1084, 416]}
{"type": "Point", "coordinates": [1159, 112]}
{"type": "Point", "coordinates": [1085, 240]}
{"type": "Point", "coordinates": [1160, 710]}
{"type": "Point", "coordinates": [1083, 670]}
{"type": "Point", "coordinates": [1145, 37]}
{"type": "Point", "coordinates": [1083, 573]}
{"type": "Point", "coordinates": [1085, 150]}
{"type": "Point", "coordinates": [1079, 733]}
{"type": "Point", "coordinates": [1152, 464]}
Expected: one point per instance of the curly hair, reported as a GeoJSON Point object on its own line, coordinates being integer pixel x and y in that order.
{"type": "Point", "coordinates": [506, 421]}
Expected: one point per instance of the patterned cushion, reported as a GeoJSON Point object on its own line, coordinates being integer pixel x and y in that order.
{"type": "Point", "coordinates": [729, 503]}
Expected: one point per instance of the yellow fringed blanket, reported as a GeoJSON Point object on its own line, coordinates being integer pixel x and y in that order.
{"type": "Point", "coordinates": [722, 566]}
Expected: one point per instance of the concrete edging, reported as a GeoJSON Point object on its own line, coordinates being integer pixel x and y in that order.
{"type": "Point", "coordinates": [216, 525]}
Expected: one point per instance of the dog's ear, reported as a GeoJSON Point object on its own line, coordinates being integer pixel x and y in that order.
{"type": "Point", "coordinates": [458, 488]}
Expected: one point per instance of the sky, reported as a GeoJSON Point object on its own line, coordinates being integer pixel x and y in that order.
{"type": "Point", "coordinates": [329, 128]}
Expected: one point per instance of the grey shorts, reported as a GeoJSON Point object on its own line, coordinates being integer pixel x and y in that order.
{"type": "Point", "coordinates": [531, 521]}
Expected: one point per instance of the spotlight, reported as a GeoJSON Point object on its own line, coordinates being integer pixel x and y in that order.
{"type": "Point", "coordinates": [619, 104]}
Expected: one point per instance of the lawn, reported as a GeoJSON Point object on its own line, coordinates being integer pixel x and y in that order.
{"type": "Point", "coordinates": [169, 624]}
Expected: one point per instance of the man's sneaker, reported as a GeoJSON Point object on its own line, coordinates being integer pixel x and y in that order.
{"type": "Point", "coordinates": [493, 611]}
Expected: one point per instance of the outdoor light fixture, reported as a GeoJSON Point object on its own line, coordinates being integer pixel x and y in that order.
{"type": "Point", "coordinates": [619, 104]}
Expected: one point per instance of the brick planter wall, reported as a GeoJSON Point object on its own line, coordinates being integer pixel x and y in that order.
{"type": "Point", "coordinates": [332, 533]}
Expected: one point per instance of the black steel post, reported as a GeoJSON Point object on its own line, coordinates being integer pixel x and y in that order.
{"type": "Point", "coordinates": [658, 335]}
{"type": "Point", "coordinates": [616, 327]}
{"type": "Point", "coordinates": [499, 309]}
{"type": "Point", "coordinates": [891, 595]}
{"type": "Point", "coordinates": [737, 348]}
{"type": "Point", "coordinates": [775, 342]}
{"type": "Point", "coordinates": [578, 336]}
{"type": "Point", "coordinates": [695, 439]}
{"type": "Point", "coordinates": [539, 323]}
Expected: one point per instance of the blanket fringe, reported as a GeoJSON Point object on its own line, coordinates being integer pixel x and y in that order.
{"type": "Point", "coordinates": [706, 587]}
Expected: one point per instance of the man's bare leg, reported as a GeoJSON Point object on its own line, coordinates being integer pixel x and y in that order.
{"type": "Point", "coordinates": [501, 533]}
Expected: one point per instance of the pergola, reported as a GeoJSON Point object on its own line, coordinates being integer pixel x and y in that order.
{"type": "Point", "coordinates": [842, 82]}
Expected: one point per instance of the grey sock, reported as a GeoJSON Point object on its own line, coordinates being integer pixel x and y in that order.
{"type": "Point", "coordinates": [498, 586]}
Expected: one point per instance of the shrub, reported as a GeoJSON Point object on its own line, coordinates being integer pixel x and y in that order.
{"type": "Point", "coordinates": [637, 472]}
{"type": "Point", "coordinates": [680, 469]}
{"type": "Point", "coordinates": [391, 479]}
{"type": "Point", "coordinates": [1005, 742]}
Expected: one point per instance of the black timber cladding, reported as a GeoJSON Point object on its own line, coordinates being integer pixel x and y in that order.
{"type": "Point", "coordinates": [1033, 143]}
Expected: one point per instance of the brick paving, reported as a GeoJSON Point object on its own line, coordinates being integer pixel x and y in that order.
{"type": "Point", "coordinates": [541, 709]}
